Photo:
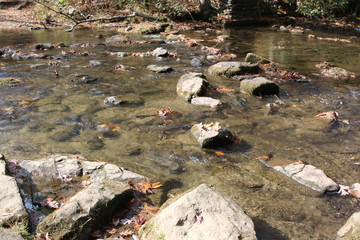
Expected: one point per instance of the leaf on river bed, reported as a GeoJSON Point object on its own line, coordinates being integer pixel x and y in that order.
{"type": "Point", "coordinates": [220, 153]}
{"type": "Point", "coordinates": [50, 203]}
{"type": "Point", "coordinates": [332, 115]}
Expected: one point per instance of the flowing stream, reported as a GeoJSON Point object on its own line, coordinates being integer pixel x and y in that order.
{"type": "Point", "coordinates": [45, 115]}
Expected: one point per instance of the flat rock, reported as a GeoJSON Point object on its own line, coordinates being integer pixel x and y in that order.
{"type": "Point", "coordinates": [211, 135]}
{"type": "Point", "coordinates": [94, 63]}
{"type": "Point", "coordinates": [337, 73]}
{"type": "Point", "coordinates": [196, 62]}
{"type": "Point", "coordinates": [159, 69]}
{"type": "Point", "coordinates": [254, 58]}
{"type": "Point", "coordinates": [129, 99]}
{"type": "Point", "coordinates": [351, 229]}
{"type": "Point", "coordinates": [309, 176]}
{"type": "Point", "coordinates": [7, 234]}
{"type": "Point", "coordinates": [259, 86]}
{"type": "Point", "coordinates": [191, 85]}
{"type": "Point", "coordinates": [230, 69]}
{"type": "Point", "coordinates": [86, 210]}
{"type": "Point", "coordinates": [200, 214]}
{"type": "Point", "coordinates": [206, 101]}
{"type": "Point", "coordinates": [12, 209]}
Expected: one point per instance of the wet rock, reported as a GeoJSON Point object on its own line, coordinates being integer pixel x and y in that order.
{"type": "Point", "coordinates": [11, 82]}
{"type": "Point", "coordinates": [206, 101]}
{"type": "Point", "coordinates": [195, 62]}
{"type": "Point", "coordinates": [175, 37]}
{"type": "Point", "coordinates": [113, 100]}
{"type": "Point", "coordinates": [116, 39]}
{"type": "Point", "coordinates": [211, 135]}
{"type": "Point", "coordinates": [309, 176]}
{"type": "Point", "coordinates": [160, 52]}
{"type": "Point", "coordinates": [7, 234]}
{"type": "Point", "coordinates": [196, 215]}
{"type": "Point", "coordinates": [337, 73]}
{"type": "Point", "coordinates": [120, 54]}
{"type": "Point", "coordinates": [67, 166]}
{"type": "Point", "coordinates": [82, 78]}
{"type": "Point", "coordinates": [86, 210]}
{"type": "Point", "coordinates": [44, 46]}
{"type": "Point", "coordinates": [12, 209]}
{"type": "Point", "coordinates": [230, 69]}
{"type": "Point", "coordinates": [253, 58]}
{"type": "Point", "coordinates": [129, 99]}
{"type": "Point", "coordinates": [296, 31]}
{"type": "Point", "coordinates": [259, 86]}
{"type": "Point", "coordinates": [159, 69]}
{"type": "Point", "coordinates": [94, 63]}
{"type": "Point", "coordinates": [351, 229]}
{"type": "Point", "coordinates": [191, 85]}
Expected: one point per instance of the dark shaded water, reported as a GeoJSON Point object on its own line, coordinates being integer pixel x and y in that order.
{"type": "Point", "coordinates": [65, 117]}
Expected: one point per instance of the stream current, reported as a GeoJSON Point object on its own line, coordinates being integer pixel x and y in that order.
{"type": "Point", "coordinates": [47, 115]}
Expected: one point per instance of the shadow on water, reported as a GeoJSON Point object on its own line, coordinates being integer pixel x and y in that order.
{"type": "Point", "coordinates": [264, 231]}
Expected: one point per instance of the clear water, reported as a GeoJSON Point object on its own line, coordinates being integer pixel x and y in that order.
{"type": "Point", "coordinates": [65, 117]}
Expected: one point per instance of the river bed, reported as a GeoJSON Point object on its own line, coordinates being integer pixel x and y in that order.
{"type": "Point", "coordinates": [48, 114]}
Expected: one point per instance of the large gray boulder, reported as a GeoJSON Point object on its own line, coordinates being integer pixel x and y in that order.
{"type": "Point", "coordinates": [230, 69]}
{"type": "Point", "coordinates": [88, 208]}
{"type": "Point", "coordinates": [200, 214]}
{"type": "Point", "coordinates": [12, 209]}
{"type": "Point", "coordinates": [191, 85]}
{"type": "Point", "coordinates": [259, 86]}
{"type": "Point", "coordinates": [211, 135]}
{"type": "Point", "coordinates": [351, 229]}
{"type": "Point", "coordinates": [253, 58]}
{"type": "Point", "coordinates": [8, 234]}
{"type": "Point", "coordinates": [309, 176]}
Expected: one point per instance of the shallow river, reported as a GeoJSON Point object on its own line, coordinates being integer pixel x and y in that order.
{"type": "Point", "coordinates": [63, 117]}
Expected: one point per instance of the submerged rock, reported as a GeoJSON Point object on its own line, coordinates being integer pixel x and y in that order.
{"type": "Point", "coordinates": [159, 69]}
{"type": "Point", "coordinates": [253, 58]}
{"type": "Point", "coordinates": [196, 62]}
{"type": "Point", "coordinates": [116, 39]}
{"type": "Point", "coordinates": [94, 63]}
{"type": "Point", "coordinates": [230, 69]}
{"type": "Point", "coordinates": [211, 135]}
{"type": "Point", "coordinates": [191, 85]}
{"type": "Point", "coordinates": [351, 229]}
{"type": "Point", "coordinates": [196, 215]}
{"type": "Point", "coordinates": [259, 86]}
{"type": "Point", "coordinates": [82, 78]}
{"type": "Point", "coordinates": [309, 176]}
{"type": "Point", "coordinates": [86, 210]}
{"type": "Point", "coordinates": [206, 101]}
{"type": "Point", "coordinates": [130, 99]}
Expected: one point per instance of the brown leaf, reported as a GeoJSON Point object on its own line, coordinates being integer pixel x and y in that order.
{"type": "Point", "coordinates": [126, 233]}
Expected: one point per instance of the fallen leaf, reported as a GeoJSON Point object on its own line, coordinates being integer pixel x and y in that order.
{"type": "Point", "coordinates": [220, 153]}
{"type": "Point", "coordinates": [332, 115]}
{"type": "Point", "coordinates": [96, 234]}
{"type": "Point", "coordinates": [150, 209]}
{"type": "Point", "coordinates": [156, 185]}
{"type": "Point", "coordinates": [126, 233]}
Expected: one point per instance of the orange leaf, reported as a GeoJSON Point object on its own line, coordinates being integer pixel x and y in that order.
{"type": "Point", "coordinates": [220, 153]}
{"type": "Point", "coordinates": [156, 185]}
{"type": "Point", "coordinates": [146, 184]}
{"type": "Point", "coordinates": [137, 227]}
{"type": "Point", "coordinates": [150, 209]}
